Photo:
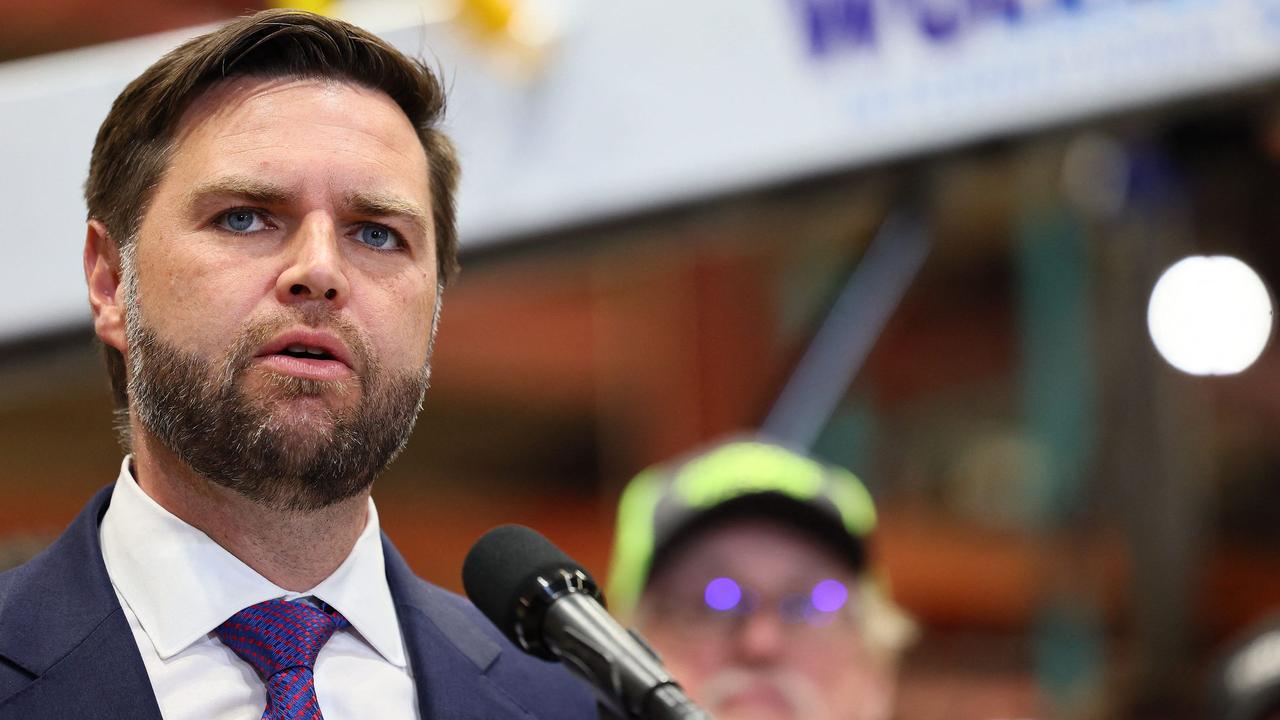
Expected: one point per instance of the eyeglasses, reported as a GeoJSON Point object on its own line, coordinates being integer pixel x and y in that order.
{"type": "Point", "coordinates": [726, 603]}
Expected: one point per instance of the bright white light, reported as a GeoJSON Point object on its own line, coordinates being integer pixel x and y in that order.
{"type": "Point", "coordinates": [1210, 315]}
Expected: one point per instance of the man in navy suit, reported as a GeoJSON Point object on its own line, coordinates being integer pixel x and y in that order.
{"type": "Point", "coordinates": [271, 222]}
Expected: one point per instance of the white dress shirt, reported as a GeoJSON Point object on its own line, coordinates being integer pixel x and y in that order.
{"type": "Point", "coordinates": [176, 585]}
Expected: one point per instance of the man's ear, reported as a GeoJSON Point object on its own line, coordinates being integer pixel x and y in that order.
{"type": "Point", "coordinates": [102, 274]}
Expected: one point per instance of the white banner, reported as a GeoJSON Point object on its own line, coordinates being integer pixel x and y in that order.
{"type": "Point", "coordinates": [641, 104]}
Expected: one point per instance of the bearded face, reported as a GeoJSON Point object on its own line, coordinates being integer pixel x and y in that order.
{"type": "Point", "coordinates": [201, 410]}
{"type": "Point", "coordinates": [743, 615]}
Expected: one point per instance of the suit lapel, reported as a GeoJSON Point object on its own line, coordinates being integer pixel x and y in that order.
{"type": "Point", "coordinates": [449, 652]}
{"type": "Point", "coordinates": [62, 624]}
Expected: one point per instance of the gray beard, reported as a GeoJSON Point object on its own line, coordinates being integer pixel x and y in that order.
{"type": "Point", "coordinates": [200, 412]}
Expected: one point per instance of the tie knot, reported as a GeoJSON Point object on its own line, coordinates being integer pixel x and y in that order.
{"type": "Point", "coordinates": [277, 635]}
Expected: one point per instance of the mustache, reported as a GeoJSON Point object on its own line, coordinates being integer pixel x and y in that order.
{"type": "Point", "coordinates": [261, 331]}
{"type": "Point", "coordinates": [800, 696]}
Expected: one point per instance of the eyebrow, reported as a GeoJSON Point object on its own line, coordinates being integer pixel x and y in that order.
{"type": "Point", "coordinates": [375, 204]}
{"type": "Point", "coordinates": [256, 191]}
{"type": "Point", "coordinates": [384, 205]}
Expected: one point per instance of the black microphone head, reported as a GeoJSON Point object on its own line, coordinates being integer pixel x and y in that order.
{"type": "Point", "coordinates": [512, 574]}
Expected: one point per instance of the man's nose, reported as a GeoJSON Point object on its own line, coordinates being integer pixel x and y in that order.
{"type": "Point", "coordinates": [760, 638]}
{"type": "Point", "coordinates": [316, 269]}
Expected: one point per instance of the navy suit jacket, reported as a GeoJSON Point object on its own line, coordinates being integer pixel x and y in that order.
{"type": "Point", "coordinates": [66, 650]}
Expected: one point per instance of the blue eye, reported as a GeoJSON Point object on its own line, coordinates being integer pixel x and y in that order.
{"type": "Point", "coordinates": [377, 236]}
{"type": "Point", "coordinates": [242, 221]}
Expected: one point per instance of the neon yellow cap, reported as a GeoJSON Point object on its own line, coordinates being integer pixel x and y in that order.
{"type": "Point", "coordinates": [750, 474]}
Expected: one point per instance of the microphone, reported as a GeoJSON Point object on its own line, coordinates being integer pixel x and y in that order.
{"type": "Point", "coordinates": [550, 607]}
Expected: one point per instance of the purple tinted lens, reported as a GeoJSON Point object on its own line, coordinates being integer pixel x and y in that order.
{"type": "Point", "coordinates": [722, 594]}
{"type": "Point", "coordinates": [829, 595]}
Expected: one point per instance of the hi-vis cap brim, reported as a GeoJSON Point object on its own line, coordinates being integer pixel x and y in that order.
{"type": "Point", "coordinates": [751, 476]}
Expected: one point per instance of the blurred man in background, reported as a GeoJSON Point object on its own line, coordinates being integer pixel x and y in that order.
{"type": "Point", "coordinates": [747, 568]}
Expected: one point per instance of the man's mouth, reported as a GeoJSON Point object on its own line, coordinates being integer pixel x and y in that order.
{"type": "Point", "coordinates": [307, 352]}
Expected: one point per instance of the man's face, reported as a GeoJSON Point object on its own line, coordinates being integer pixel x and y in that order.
{"type": "Point", "coordinates": [753, 620]}
{"type": "Point", "coordinates": [284, 289]}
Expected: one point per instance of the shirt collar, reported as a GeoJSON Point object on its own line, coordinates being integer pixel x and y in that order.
{"type": "Point", "coordinates": [181, 584]}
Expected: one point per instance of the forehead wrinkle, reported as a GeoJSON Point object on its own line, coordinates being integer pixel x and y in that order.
{"type": "Point", "coordinates": [257, 131]}
{"type": "Point", "coordinates": [260, 117]}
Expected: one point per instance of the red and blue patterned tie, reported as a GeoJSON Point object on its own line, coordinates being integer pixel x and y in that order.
{"type": "Point", "coordinates": [281, 640]}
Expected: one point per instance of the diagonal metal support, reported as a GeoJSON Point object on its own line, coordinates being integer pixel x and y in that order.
{"type": "Point", "coordinates": [840, 347]}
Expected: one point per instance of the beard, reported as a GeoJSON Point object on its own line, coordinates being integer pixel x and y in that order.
{"type": "Point", "coordinates": [794, 697]}
{"type": "Point", "coordinates": [200, 411]}
{"type": "Point", "coordinates": [735, 692]}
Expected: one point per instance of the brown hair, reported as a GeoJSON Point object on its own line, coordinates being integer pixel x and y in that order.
{"type": "Point", "coordinates": [134, 144]}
